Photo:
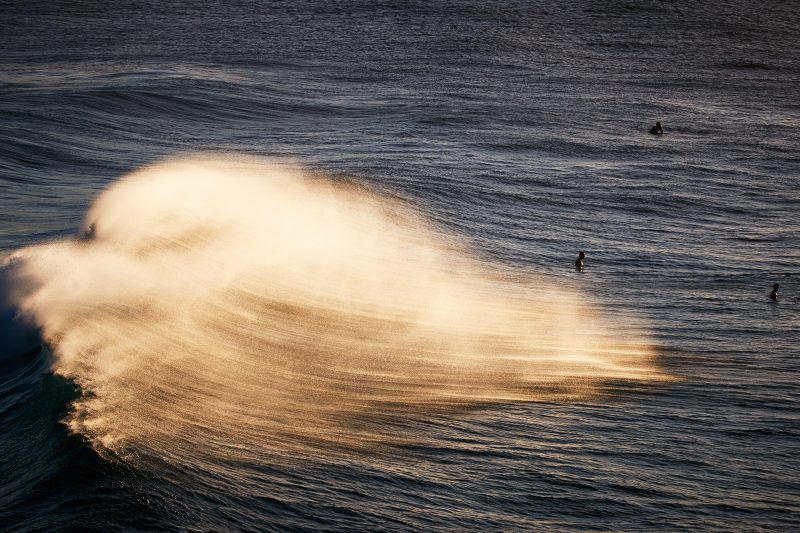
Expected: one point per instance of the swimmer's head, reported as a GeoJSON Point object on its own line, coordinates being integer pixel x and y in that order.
{"type": "Point", "coordinates": [581, 255]}
{"type": "Point", "coordinates": [775, 286]}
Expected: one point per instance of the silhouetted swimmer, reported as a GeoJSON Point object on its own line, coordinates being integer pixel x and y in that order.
{"type": "Point", "coordinates": [774, 294]}
{"type": "Point", "coordinates": [579, 261]}
{"type": "Point", "coordinates": [88, 235]}
{"type": "Point", "coordinates": [657, 129]}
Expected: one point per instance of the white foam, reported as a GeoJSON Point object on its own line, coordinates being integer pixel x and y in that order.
{"type": "Point", "coordinates": [249, 302]}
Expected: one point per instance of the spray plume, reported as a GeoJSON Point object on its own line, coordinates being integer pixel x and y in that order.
{"type": "Point", "coordinates": [247, 305]}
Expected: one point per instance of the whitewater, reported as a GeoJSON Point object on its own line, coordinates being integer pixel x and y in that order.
{"type": "Point", "coordinates": [238, 303]}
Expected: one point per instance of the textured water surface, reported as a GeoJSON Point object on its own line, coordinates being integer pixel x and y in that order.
{"type": "Point", "coordinates": [394, 335]}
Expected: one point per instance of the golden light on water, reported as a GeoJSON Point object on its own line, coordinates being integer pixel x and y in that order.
{"type": "Point", "coordinates": [247, 305]}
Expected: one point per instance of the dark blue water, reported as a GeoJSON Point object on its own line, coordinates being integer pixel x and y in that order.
{"type": "Point", "coordinates": [520, 127]}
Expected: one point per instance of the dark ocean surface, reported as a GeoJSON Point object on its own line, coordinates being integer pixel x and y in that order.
{"type": "Point", "coordinates": [518, 131]}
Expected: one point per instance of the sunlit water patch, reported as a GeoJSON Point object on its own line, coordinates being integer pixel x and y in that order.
{"type": "Point", "coordinates": [230, 305]}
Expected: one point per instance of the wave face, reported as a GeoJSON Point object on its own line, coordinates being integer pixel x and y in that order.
{"type": "Point", "coordinates": [232, 306]}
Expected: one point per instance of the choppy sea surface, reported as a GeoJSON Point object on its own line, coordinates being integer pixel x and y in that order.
{"type": "Point", "coordinates": [341, 295]}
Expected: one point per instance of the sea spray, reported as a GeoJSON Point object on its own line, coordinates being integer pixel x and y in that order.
{"type": "Point", "coordinates": [227, 305]}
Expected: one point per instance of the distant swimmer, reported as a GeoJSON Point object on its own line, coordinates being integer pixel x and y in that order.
{"type": "Point", "coordinates": [774, 294]}
{"type": "Point", "coordinates": [657, 129]}
{"type": "Point", "coordinates": [89, 234]}
{"type": "Point", "coordinates": [579, 262]}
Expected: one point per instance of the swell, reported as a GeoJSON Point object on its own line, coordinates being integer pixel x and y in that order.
{"type": "Point", "coordinates": [213, 307]}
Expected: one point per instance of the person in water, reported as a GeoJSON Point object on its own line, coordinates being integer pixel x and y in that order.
{"type": "Point", "coordinates": [657, 129]}
{"type": "Point", "coordinates": [774, 294]}
{"type": "Point", "coordinates": [579, 261]}
{"type": "Point", "coordinates": [88, 234]}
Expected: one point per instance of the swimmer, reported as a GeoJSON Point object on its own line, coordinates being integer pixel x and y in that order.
{"type": "Point", "coordinates": [657, 129]}
{"type": "Point", "coordinates": [579, 262]}
{"type": "Point", "coordinates": [774, 294]}
{"type": "Point", "coordinates": [89, 234]}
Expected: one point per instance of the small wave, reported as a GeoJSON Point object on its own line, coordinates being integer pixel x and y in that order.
{"type": "Point", "coordinates": [748, 65]}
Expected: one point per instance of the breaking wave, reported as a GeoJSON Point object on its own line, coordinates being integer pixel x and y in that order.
{"type": "Point", "coordinates": [232, 305]}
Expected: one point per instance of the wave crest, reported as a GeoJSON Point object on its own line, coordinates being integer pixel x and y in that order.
{"type": "Point", "coordinates": [244, 304]}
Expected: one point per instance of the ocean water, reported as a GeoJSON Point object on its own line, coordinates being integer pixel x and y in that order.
{"type": "Point", "coordinates": [310, 266]}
